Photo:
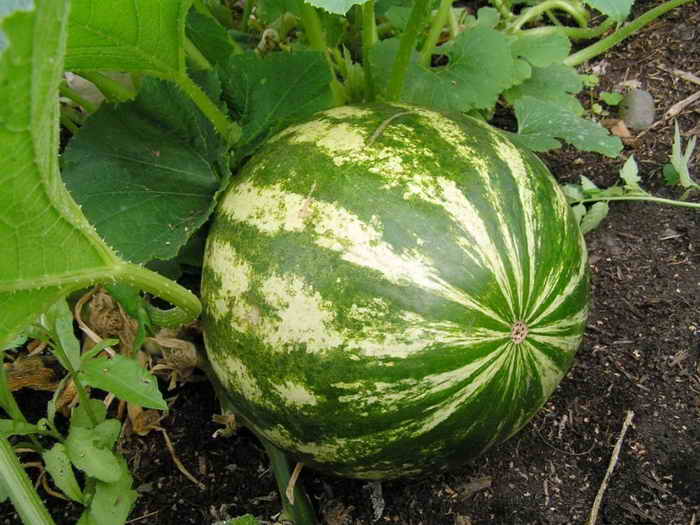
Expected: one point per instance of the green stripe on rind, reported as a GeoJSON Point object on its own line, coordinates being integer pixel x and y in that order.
{"type": "Point", "coordinates": [362, 279]}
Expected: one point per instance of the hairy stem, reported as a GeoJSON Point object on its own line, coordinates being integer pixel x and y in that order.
{"type": "Point", "coordinates": [438, 23]}
{"type": "Point", "coordinates": [406, 48]}
{"type": "Point", "coordinates": [503, 7]}
{"type": "Point", "coordinates": [229, 130]}
{"type": "Point", "coordinates": [576, 11]}
{"type": "Point", "coordinates": [17, 484]}
{"type": "Point", "coordinates": [187, 304]}
{"type": "Point", "coordinates": [573, 33]}
{"type": "Point", "coordinates": [618, 36]}
{"type": "Point", "coordinates": [369, 38]}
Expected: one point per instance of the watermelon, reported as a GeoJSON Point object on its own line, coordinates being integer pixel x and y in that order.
{"type": "Point", "coordinates": [390, 290]}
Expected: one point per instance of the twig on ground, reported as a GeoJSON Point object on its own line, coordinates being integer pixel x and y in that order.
{"type": "Point", "coordinates": [613, 461]}
{"type": "Point", "coordinates": [177, 461]}
{"type": "Point", "coordinates": [292, 482]}
{"type": "Point", "coordinates": [678, 107]}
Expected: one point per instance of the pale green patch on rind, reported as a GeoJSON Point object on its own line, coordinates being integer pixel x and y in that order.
{"type": "Point", "coordinates": [271, 210]}
{"type": "Point", "coordinates": [233, 272]}
{"type": "Point", "coordinates": [296, 394]}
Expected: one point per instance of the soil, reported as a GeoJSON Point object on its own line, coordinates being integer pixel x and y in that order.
{"type": "Point", "coordinates": [641, 355]}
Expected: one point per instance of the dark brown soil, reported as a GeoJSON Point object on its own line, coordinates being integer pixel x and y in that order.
{"type": "Point", "coordinates": [641, 353]}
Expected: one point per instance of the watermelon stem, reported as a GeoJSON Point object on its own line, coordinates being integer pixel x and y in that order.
{"type": "Point", "coordinates": [301, 512]}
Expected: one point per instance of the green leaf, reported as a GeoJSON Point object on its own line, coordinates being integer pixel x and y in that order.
{"type": "Point", "coordinates": [88, 452]}
{"type": "Point", "coordinates": [611, 99]}
{"type": "Point", "coordinates": [47, 244]}
{"type": "Point", "coordinates": [125, 378]}
{"type": "Point", "coordinates": [594, 216]}
{"type": "Point", "coordinates": [14, 343]}
{"type": "Point", "coordinates": [273, 91]}
{"type": "Point", "coordinates": [146, 172]}
{"type": "Point", "coordinates": [11, 427]}
{"type": "Point", "coordinates": [480, 67]}
{"type": "Point", "coordinates": [629, 174]}
{"type": "Point", "coordinates": [4, 492]}
{"type": "Point", "coordinates": [79, 416]}
{"type": "Point", "coordinates": [671, 176]}
{"type": "Point", "coordinates": [588, 186]}
{"type": "Point", "coordinates": [58, 321]}
{"type": "Point", "coordinates": [539, 122]}
{"type": "Point", "coordinates": [49, 248]}
{"type": "Point", "coordinates": [210, 37]}
{"type": "Point", "coordinates": [541, 50]}
{"type": "Point", "coordinates": [680, 160]}
{"type": "Point", "coordinates": [556, 83]}
{"type": "Point", "coordinates": [337, 7]}
{"type": "Point", "coordinates": [123, 35]}
{"type": "Point", "coordinates": [113, 501]}
{"type": "Point", "coordinates": [618, 10]}
{"type": "Point", "coordinates": [488, 17]}
{"type": "Point", "coordinates": [59, 466]}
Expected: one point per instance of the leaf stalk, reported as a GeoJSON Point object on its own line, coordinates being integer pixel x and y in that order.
{"type": "Point", "coordinates": [23, 495]}
{"type": "Point", "coordinates": [407, 46]}
{"type": "Point", "coordinates": [439, 21]}
{"type": "Point", "coordinates": [618, 36]}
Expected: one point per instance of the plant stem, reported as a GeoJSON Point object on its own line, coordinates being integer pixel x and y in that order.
{"type": "Point", "coordinates": [229, 130]}
{"type": "Point", "coordinates": [82, 393]}
{"type": "Point", "coordinates": [301, 512]}
{"type": "Point", "coordinates": [66, 91]}
{"type": "Point", "coordinates": [314, 33]}
{"type": "Point", "coordinates": [69, 124]}
{"type": "Point", "coordinates": [17, 484]}
{"type": "Point", "coordinates": [602, 46]}
{"type": "Point", "coordinates": [312, 26]}
{"type": "Point", "coordinates": [503, 7]}
{"type": "Point", "coordinates": [573, 33]}
{"type": "Point", "coordinates": [576, 11]}
{"type": "Point", "coordinates": [439, 21]}
{"type": "Point", "coordinates": [369, 38]}
{"type": "Point", "coordinates": [196, 57]}
{"type": "Point", "coordinates": [187, 304]}
{"type": "Point", "coordinates": [406, 48]}
{"type": "Point", "coordinates": [247, 10]}
{"type": "Point", "coordinates": [112, 90]}
{"type": "Point", "coordinates": [658, 200]}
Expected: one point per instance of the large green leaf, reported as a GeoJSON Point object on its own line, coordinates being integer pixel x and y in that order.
{"type": "Point", "coordinates": [555, 83]}
{"type": "Point", "coordinates": [47, 245]}
{"type": "Point", "coordinates": [146, 172]}
{"type": "Point", "coordinates": [48, 248]}
{"type": "Point", "coordinates": [273, 91]}
{"type": "Point", "coordinates": [480, 67]}
{"type": "Point", "coordinates": [125, 35]}
{"type": "Point", "coordinates": [541, 123]}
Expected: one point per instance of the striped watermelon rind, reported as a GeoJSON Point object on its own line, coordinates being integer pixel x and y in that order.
{"type": "Point", "coordinates": [389, 290]}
